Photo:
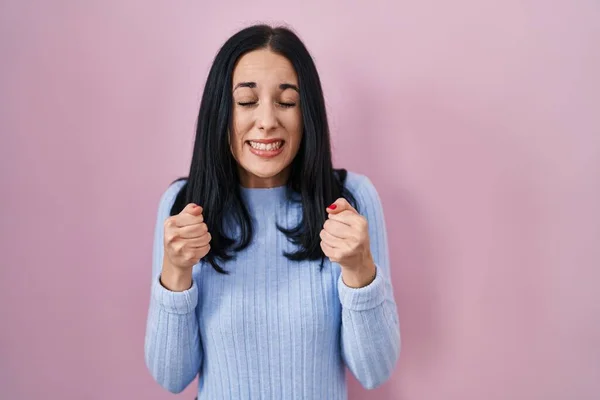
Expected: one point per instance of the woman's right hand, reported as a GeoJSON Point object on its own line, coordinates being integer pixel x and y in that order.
{"type": "Point", "coordinates": [186, 238]}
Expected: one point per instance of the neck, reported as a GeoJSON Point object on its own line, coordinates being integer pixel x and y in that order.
{"type": "Point", "coordinates": [251, 181]}
{"type": "Point", "coordinates": [264, 198]}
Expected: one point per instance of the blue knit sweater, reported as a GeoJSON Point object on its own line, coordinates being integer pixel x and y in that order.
{"type": "Point", "coordinates": [274, 328]}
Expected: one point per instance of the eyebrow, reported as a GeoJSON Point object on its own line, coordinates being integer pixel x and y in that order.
{"type": "Point", "coordinates": [285, 86]}
{"type": "Point", "coordinates": [252, 85]}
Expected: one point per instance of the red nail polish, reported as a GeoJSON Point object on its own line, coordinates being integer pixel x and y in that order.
{"type": "Point", "coordinates": [332, 207]}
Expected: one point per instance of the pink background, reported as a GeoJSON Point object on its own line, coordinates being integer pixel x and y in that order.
{"type": "Point", "coordinates": [478, 121]}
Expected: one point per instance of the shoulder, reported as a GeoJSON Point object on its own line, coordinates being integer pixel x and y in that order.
{"type": "Point", "coordinates": [169, 195]}
{"type": "Point", "coordinates": [361, 187]}
{"type": "Point", "coordinates": [365, 194]}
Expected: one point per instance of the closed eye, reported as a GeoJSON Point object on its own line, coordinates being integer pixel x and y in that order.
{"type": "Point", "coordinates": [252, 103]}
{"type": "Point", "coordinates": [246, 103]}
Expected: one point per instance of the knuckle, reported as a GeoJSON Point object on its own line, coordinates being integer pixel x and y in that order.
{"type": "Point", "coordinates": [178, 247]}
{"type": "Point", "coordinates": [203, 252]}
{"type": "Point", "coordinates": [169, 223]}
{"type": "Point", "coordinates": [363, 221]}
{"type": "Point", "coordinates": [170, 237]}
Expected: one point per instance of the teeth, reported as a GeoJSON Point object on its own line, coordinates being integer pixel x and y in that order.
{"type": "Point", "coordinates": [267, 147]}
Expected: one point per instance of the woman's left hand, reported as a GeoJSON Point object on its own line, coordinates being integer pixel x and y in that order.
{"type": "Point", "coordinates": [345, 240]}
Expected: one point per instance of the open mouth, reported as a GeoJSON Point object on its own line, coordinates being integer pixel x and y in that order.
{"type": "Point", "coordinates": [269, 148]}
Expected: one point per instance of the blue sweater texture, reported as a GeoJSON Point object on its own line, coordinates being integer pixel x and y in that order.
{"type": "Point", "coordinates": [274, 328]}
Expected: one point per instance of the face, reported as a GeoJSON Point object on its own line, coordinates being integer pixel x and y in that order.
{"type": "Point", "coordinates": [267, 121]}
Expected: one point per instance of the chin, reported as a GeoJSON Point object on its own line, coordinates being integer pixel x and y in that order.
{"type": "Point", "coordinates": [266, 176]}
{"type": "Point", "coordinates": [262, 174]}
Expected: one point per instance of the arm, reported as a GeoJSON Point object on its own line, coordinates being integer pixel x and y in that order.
{"type": "Point", "coordinates": [172, 344]}
{"type": "Point", "coordinates": [370, 335]}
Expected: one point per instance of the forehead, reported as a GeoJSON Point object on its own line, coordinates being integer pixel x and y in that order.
{"type": "Point", "coordinates": [264, 67]}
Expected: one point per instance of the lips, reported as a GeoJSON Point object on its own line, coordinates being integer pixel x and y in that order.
{"type": "Point", "coordinates": [269, 145]}
{"type": "Point", "coordinates": [266, 147]}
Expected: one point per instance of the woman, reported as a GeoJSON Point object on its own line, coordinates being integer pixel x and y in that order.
{"type": "Point", "coordinates": [270, 268]}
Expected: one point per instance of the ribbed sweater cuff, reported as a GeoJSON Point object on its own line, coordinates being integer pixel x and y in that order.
{"type": "Point", "coordinates": [364, 298]}
{"type": "Point", "coordinates": [175, 302]}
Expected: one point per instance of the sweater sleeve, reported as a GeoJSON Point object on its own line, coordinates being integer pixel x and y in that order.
{"type": "Point", "coordinates": [370, 334]}
{"type": "Point", "coordinates": [172, 342]}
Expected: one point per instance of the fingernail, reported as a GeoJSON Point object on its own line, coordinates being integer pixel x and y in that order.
{"type": "Point", "coordinates": [332, 207]}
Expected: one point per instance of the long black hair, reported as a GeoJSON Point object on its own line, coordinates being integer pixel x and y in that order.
{"type": "Point", "coordinates": [213, 177]}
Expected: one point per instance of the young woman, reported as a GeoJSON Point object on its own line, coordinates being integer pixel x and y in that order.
{"type": "Point", "coordinates": [270, 267]}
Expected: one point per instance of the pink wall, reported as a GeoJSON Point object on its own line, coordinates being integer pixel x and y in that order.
{"type": "Point", "coordinates": [478, 121]}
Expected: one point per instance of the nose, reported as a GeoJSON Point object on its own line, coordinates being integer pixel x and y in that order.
{"type": "Point", "coordinates": [267, 119]}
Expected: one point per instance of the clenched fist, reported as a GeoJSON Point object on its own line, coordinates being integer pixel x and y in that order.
{"type": "Point", "coordinates": [187, 239]}
{"type": "Point", "coordinates": [345, 240]}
